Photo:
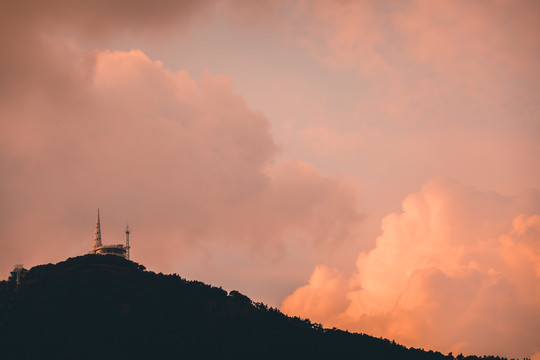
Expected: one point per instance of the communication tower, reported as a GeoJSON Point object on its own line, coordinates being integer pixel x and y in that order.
{"type": "Point", "coordinates": [18, 269]}
{"type": "Point", "coordinates": [127, 240]}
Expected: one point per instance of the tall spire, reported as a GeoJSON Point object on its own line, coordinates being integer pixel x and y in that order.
{"type": "Point", "coordinates": [97, 234]}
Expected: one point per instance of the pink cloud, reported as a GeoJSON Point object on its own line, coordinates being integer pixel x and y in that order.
{"type": "Point", "coordinates": [185, 161]}
{"type": "Point", "coordinates": [102, 18]}
{"type": "Point", "coordinates": [424, 62]}
{"type": "Point", "coordinates": [457, 271]}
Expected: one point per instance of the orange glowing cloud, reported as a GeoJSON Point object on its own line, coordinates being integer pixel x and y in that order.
{"type": "Point", "coordinates": [457, 270]}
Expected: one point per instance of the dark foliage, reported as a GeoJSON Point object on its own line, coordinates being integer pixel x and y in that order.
{"type": "Point", "coordinates": [106, 307]}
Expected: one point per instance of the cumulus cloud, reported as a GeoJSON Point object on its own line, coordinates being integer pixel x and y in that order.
{"type": "Point", "coordinates": [457, 270]}
{"type": "Point", "coordinates": [185, 160]}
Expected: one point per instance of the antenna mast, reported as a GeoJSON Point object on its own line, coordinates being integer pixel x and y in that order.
{"type": "Point", "coordinates": [18, 270]}
{"type": "Point", "coordinates": [127, 241]}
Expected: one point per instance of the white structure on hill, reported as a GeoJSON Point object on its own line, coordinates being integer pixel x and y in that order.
{"type": "Point", "coordinates": [118, 250]}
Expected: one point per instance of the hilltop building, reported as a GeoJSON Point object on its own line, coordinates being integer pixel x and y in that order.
{"type": "Point", "coordinates": [100, 249]}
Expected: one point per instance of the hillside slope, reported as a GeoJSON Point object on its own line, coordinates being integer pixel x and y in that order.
{"type": "Point", "coordinates": [106, 307]}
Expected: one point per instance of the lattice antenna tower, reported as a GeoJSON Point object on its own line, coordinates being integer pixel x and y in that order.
{"type": "Point", "coordinates": [127, 241]}
{"type": "Point", "coordinates": [18, 270]}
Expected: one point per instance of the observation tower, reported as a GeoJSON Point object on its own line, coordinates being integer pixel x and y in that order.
{"type": "Point", "coordinates": [118, 249]}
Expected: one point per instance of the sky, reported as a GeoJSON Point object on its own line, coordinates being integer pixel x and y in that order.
{"type": "Point", "coordinates": [370, 165]}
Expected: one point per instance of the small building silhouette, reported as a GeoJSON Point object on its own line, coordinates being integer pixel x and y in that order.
{"type": "Point", "coordinates": [117, 249]}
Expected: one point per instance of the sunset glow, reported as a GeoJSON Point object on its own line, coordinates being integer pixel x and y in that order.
{"type": "Point", "coordinates": [370, 165]}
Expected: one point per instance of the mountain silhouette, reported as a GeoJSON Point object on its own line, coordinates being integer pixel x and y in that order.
{"type": "Point", "coordinates": [107, 307]}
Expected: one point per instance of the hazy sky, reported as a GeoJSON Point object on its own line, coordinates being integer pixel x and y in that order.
{"type": "Point", "coordinates": [371, 165]}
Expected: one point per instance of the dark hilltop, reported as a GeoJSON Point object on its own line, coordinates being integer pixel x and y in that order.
{"type": "Point", "coordinates": [107, 307]}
